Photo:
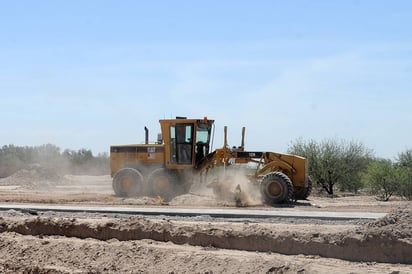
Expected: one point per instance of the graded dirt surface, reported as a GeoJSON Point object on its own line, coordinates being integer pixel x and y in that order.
{"type": "Point", "coordinates": [50, 242]}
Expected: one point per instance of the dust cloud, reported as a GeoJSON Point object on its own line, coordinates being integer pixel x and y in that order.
{"type": "Point", "coordinates": [231, 187]}
{"type": "Point", "coordinates": [221, 187]}
{"type": "Point", "coordinates": [34, 176]}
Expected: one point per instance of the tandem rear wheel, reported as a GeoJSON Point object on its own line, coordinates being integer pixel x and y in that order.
{"type": "Point", "coordinates": [128, 182]}
{"type": "Point", "coordinates": [164, 184]}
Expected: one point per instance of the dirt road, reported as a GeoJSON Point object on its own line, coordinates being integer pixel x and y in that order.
{"type": "Point", "coordinates": [83, 243]}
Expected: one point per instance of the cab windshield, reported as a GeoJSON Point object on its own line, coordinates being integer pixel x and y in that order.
{"type": "Point", "coordinates": [203, 133]}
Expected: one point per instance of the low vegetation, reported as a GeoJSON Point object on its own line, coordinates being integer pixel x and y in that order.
{"type": "Point", "coordinates": [351, 166]}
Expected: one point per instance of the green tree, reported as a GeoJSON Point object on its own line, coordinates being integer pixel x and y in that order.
{"type": "Point", "coordinates": [383, 177]}
{"type": "Point", "coordinates": [404, 161]}
{"type": "Point", "coordinates": [334, 162]}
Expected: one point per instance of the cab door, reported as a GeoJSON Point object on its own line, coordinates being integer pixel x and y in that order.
{"type": "Point", "coordinates": [181, 144]}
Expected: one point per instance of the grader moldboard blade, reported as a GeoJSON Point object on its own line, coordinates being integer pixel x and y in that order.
{"type": "Point", "coordinates": [223, 190]}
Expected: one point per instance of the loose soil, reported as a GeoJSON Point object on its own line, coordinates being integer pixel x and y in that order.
{"type": "Point", "coordinates": [49, 242]}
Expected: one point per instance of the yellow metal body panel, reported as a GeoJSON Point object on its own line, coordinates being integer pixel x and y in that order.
{"type": "Point", "coordinates": [295, 167]}
{"type": "Point", "coordinates": [133, 155]}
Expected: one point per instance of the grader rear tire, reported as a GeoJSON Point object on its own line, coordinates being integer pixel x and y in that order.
{"type": "Point", "coordinates": [128, 182]}
{"type": "Point", "coordinates": [164, 184]}
{"type": "Point", "coordinates": [276, 188]}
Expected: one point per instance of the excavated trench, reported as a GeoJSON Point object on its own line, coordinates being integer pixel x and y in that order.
{"type": "Point", "coordinates": [387, 240]}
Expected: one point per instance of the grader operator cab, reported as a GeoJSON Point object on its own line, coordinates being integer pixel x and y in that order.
{"type": "Point", "coordinates": [182, 153]}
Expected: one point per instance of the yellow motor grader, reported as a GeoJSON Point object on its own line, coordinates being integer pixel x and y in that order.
{"type": "Point", "coordinates": [182, 153]}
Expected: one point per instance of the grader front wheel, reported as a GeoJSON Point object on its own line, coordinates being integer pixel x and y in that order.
{"type": "Point", "coordinates": [276, 188]}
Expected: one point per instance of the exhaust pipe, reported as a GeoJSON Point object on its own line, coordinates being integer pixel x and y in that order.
{"type": "Point", "coordinates": [225, 137]}
{"type": "Point", "coordinates": [242, 145]}
{"type": "Point", "coordinates": [146, 130]}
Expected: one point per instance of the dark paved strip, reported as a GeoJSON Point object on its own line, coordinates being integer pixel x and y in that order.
{"type": "Point", "coordinates": [191, 212]}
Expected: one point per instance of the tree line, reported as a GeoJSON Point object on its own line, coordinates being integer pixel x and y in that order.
{"type": "Point", "coordinates": [351, 166]}
{"type": "Point", "coordinates": [333, 165]}
{"type": "Point", "coordinates": [82, 161]}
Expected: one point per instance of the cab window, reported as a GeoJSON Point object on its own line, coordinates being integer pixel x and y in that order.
{"type": "Point", "coordinates": [181, 143]}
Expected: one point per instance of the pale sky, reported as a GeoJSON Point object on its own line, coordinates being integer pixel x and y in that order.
{"type": "Point", "coordinates": [88, 74]}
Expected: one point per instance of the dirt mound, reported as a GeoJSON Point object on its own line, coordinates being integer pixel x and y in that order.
{"type": "Point", "coordinates": [33, 177]}
{"type": "Point", "coordinates": [195, 199]}
{"type": "Point", "coordinates": [395, 225]}
{"type": "Point", "coordinates": [397, 222]}
{"type": "Point", "coordinates": [192, 199]}
{"type": "Point", "coordinates": [388, 239]}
